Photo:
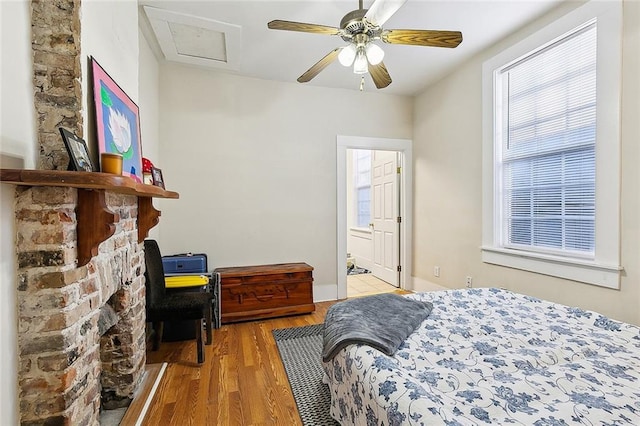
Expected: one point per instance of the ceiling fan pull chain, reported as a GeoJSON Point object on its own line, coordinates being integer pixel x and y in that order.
{"type": "Point", "coordinates": [362, 84]}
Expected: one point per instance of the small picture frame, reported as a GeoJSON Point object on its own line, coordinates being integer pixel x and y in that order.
{"type": "Point", "coordinates": [79, 158]}
{"type": "Point", "coordinates": [156, 175]}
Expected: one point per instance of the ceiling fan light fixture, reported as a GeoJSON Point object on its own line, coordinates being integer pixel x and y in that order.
{"type": "Point", "coordinates": [360, 28]}
{"type": "Point", "coordinates": [360, 65]}
{"type": "Point", "coordinates": [375, 54]}
{"type": "Point", "coordinates": [347, 55]}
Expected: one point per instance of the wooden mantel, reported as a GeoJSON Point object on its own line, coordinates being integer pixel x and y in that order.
{"type": "Point", "coordinates": [96, 222]}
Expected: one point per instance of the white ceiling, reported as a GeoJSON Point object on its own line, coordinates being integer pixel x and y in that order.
{"type": "Point", "coordinates": [285, 55]}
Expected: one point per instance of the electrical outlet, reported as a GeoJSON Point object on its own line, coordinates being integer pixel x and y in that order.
{"type": "Point", "coordinates": [469, 282]}
{"type": "Point", "coordinates": [436, 271]}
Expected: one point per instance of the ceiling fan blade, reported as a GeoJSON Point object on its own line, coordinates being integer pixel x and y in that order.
{"type": "Point", "coordinates": [423, 37]}
{"type": "Point", "coordinates": [319, 66]}
{"type": "Point", "coordinates": [380, 75]}
{"type": "Point", "coordinates": [302, 27]}
{"type": "Point", "coordinates": [381, 10]}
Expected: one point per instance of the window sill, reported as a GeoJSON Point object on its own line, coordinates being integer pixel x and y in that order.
{"type": "Point", "coordinates": [582, 271]}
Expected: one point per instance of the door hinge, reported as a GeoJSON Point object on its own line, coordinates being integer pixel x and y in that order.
{"type": "Point", "coordinates": [399, 170]}
{"type": "Point", "coordinates": [399, 219]}
{"type": "Point", "coordinates": [399, 268]}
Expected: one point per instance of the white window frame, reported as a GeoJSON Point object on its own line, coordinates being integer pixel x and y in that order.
{"type": "Point", "coordinates": [356, 188]}
{"type": "Point", "coordinates": [604, 270]}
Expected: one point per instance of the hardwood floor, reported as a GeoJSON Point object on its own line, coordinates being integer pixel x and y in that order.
{"type": "Point", "coordinates": [242, 381]}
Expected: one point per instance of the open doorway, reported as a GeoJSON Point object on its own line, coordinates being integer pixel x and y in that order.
{"type": "Point", "coordinates": [373, 221]}
{"type": "Point", "coordinates": [388, 253]}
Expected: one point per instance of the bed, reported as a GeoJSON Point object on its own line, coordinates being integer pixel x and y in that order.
{"type": "Point", "coordinates": [490, 356]}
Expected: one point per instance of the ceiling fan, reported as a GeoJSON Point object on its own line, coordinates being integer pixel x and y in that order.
{"type": "Point", "coordinates": [361, 28]}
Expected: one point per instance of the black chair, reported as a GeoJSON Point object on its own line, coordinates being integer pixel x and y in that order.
{"type": "Point", "coordinates": [163, 306]}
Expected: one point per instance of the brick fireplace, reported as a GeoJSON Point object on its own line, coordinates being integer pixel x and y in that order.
{"type": "Point", "coordinates": [80, 261]}
{"type": "Point", "coordinates": [68, 371]}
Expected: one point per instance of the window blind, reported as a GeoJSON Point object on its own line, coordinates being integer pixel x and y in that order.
{"type": "Point", "coordinates": [362, 180]}
{"type": "Point", "coordinates": [547, 155]}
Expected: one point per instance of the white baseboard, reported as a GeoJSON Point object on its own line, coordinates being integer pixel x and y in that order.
{"type": "Point", "coordinates": [325, 292]}
{"type": "Point", "coordinates": [419, 285]}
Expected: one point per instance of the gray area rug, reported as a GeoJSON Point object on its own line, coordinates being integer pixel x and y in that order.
{"type": "Point", "coordinates": [301, 353]}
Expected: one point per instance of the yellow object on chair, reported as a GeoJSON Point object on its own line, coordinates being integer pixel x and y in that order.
{"type": "Point", "coordinates": [185, 281]}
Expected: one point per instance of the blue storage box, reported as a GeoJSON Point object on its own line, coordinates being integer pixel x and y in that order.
{"type": "Point", "coordinates": [187, 263]}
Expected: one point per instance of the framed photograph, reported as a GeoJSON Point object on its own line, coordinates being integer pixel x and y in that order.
{"type": "Point", "coordinates": [117, 122]}
{"type": "Point", "coordinates": [79, 158]}
{"type": "Point", "coordinates": [156, 175]}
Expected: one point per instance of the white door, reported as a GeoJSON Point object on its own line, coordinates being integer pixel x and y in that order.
{"type": "Point", "coordinates": [385, 222]}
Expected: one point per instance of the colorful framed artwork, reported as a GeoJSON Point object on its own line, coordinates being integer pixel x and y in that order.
{"type": "Point", "coordinates": [117, 122]}
{"type": "Point", "coordinates": [79, 158]}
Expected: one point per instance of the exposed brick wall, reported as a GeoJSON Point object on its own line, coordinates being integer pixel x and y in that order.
{"type": "Point", "coordinates": [64, 363]}
{"type": "Point", "coordinates": [55, 27]}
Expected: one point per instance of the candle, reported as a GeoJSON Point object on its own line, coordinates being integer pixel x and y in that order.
{"type": "Point", "coordinates": [111, 163]}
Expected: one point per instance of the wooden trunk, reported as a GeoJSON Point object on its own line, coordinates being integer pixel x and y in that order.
{"type": "Point", "coordinates": [265, 291]}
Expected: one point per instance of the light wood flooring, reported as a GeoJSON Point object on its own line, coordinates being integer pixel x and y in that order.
{"type": "Point", "coordinates": [242, 381]}
{"type": "Point", "coordinates": [366, 284]}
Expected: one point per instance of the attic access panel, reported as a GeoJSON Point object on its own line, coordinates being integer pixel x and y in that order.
{"type": "Point", "coordinates": [193, 40]}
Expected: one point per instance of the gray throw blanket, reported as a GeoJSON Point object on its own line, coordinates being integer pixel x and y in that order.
{"type": "Point", "coordinates": [382, 321]}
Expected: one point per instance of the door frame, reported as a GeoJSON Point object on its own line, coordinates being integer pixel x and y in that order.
{"type": "Point", "coordinates": [404, 146]}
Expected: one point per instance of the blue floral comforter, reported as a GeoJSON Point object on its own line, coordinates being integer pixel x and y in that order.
{"type": "Point", "coordinates": [489, 356]}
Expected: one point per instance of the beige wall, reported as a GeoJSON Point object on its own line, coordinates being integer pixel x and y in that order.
{"type": "Point", "coordinates": [149, 99]}
{"type": "Point", "coordinates": [149, 103]}
{"type": "Point", "coordinates": [17, 113]}
{"type": "Point", "coordinates": [109, 33]}
{"type": "Point", "coordinates": [448, 186]}
{"type": "Point", "coordinates": [255, 164]}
